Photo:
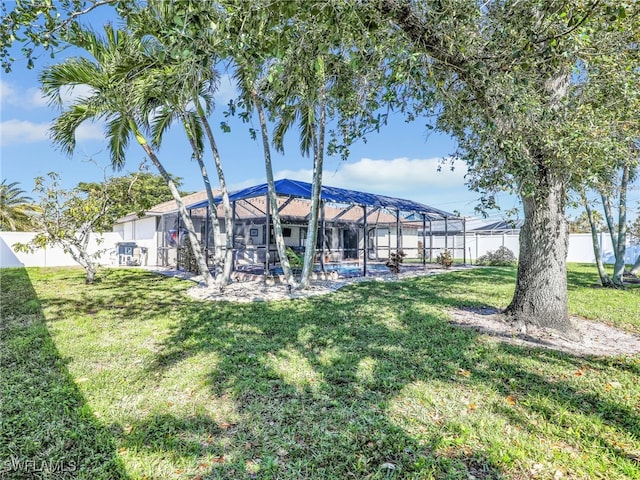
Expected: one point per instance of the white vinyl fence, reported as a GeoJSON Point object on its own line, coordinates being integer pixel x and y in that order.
{"type": "Point", "coordinates": [52, 256]}
{"type": "Point", "coordinates": [580, 247]}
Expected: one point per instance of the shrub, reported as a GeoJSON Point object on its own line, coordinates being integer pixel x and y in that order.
{"type": "Point", "coordinates": [445, 259]}
{"type": "Point", "coordinates": [502, 257]}
{"type": "Point", "coordinates": [395, 259]}
{"type": "Point", "coordinates": [295, 261]}
{"type": "Point", "coordinates": [186, 258]}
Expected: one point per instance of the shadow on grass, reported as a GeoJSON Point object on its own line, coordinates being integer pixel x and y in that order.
{"type": "Point", "coordinates": [320, 384]}
{"type": "Point", "coordinates": [48, 430]}
{"type": "Point", "coordinates": [369, 382]}
{"type": "Point", "coordinates": [117, 291]}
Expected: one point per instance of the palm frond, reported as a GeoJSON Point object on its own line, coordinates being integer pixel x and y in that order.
{"type": "Point", "coordinates": [286, 118]}
{"type": "Point", "coordinates": [57, 79]}
{"type": "Point", "coordinates": [118, 131]}
{"type": "Point", "coordinates": [307, 129]}
{"type": "Point", "coordinates": [161, 120]}
{"type": "Point", "coordinates": [63, 129]}
{"type": "Point", "coordinates": [17, 212]}
{"type": "Point", "coordinates": [195, 130]}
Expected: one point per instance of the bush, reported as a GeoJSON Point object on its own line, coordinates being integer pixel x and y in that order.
{"type": "Point", "coordinates": [445, 259]}
{"type": "Point", "coordinates": [186, 258]}
{"type": "Point", "coordinates": [502, 257]}
{"type": "Point", "coordinates": [295, 261]}
{"type": "Point", "coordinates": [395, 261]}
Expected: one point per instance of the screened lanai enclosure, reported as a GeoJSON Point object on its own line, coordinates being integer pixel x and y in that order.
{"type": "Point", "coordinates": [357, 231]}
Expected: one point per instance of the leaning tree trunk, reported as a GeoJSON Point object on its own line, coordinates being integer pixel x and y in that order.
{"type": "Point", "coordinates": [273, 199]}
{"type": "Point", "coordinates": [224, 277]}
{"type": "Point", "coordinates": [196, 246]}
{"type": "Point", "coordinates": [540, 297]}
{"type": "Point", "coordinates": [621, 250]}
{"type": "Point", "coordinates": [605, 280]}
{"type": "Point", "coordinates": [213, 211]}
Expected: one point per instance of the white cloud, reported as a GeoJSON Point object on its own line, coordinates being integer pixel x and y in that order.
{"type": "Point", "coordinates": [23, 131]}
{"type": "Point", "coordinates": [35, 98]}
{"type": "Point", "coordinates": [7, 92]}
{"type": "Point", "coordinates": [389, 176]}
{"type": "Point", "coordinates": [70, 94]}
{"type": "Point", "coordinates": [226, 91]}
{"type": "Point", "coordinates": [26, 99]}
{"type": "Point", "coordinates": [90, 131]}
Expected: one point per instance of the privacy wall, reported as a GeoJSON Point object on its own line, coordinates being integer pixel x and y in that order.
{"type": "Point", "coordinates": [54, 256]}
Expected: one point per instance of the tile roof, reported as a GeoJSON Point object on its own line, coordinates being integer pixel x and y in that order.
{"type": "Point", "coordinates": [168, 206]}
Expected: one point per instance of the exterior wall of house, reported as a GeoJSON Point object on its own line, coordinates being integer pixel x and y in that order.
{"type": "Point", "coordinates": [144, 232]}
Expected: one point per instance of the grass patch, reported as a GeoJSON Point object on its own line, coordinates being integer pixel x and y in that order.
{"type": "Point", "coordinates": [369, 382]}
{"type": "Point", "coordinates": [589, 300]}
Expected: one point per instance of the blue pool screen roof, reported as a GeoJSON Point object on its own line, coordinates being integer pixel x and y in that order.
{"type": "Point", "coordinates": [299, 189]}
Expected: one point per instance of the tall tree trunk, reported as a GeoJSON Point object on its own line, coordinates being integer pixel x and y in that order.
{"type": "Point", "coordinates": [608, 215]}
{"type": "Point", "coordinates": [213, 217]}
{"type": "Point", "coordinates": [540, 297]}
{"type": "Point", "coordinates": [273, 199]}
{"type": "Point", "coordinates": [605, 281]}
{"type": "Point", "coordinates": [225, 277]}
{"type": "Point", "coordinates": [186, 218]}
{"type": "Point", "coordinates": [621, 250]}
{"type": "Point", "coordinates": [312, 229]}
{"type": "Point", "coordinates": [316, 190]}
{"type": "Point", "coordinates": [213, 211]}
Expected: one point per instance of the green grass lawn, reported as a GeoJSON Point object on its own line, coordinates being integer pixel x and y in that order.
{"type": "Point", "coordinates": [131, 379]}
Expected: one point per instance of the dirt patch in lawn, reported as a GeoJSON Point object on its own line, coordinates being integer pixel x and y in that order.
{"type": "Point", "coordinates": [594, 338]}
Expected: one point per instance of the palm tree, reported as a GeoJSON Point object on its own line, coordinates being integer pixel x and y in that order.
{"type": "Point", "coordinates": [182, 89]}
{"type": "Point", "coordinates": [177, 92]}
{"type": "Point", "coordinates": [283, 74]}
{"type": "Point", "coordinates": [16, 208]}
{"type": "Point", "coordinates": [249, 80]}
{"type": "Point", "coordinates": [112, 76]}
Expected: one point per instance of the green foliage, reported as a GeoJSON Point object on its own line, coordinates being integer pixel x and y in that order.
{"type": "Point", "coordinates": [581, 223]}
{"type": "Point", "coordinates": [67, 218]}
{"type": "Point", "coordinates": [138, 380]}
{"type": "Point", "coordinates": [445, 259]}
{"type": "Point", "coordinates": [186, 259]}
{"type": "Point", "coordinates": [132, 193]}
{"type": "Point", "coordinates": [17, 210]}
{"type": "Point", "coordinates": [294, 259]}
{"type": "Point", "coordinates": [502, 257]}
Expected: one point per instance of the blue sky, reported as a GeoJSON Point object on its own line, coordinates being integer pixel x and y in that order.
{"type": "Point", "coordinates": [402, 160]}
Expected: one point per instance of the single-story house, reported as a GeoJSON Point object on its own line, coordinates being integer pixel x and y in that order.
{"type": "Point", "coordinates": [354, 226]}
